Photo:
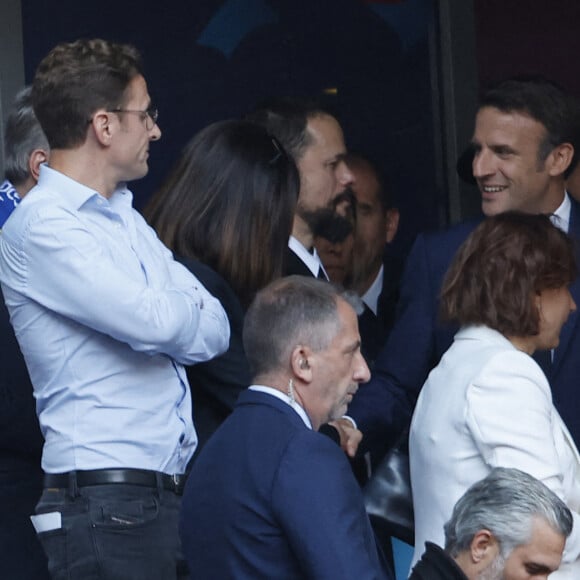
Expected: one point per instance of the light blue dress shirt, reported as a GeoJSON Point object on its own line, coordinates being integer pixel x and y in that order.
{"type": "Point", "coordinates": [105, 318]}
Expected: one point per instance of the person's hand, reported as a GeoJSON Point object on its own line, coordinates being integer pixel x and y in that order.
{"type": "Point", "coordinates": [350, 436]}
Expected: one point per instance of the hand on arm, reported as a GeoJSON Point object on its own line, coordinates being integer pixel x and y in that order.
{"type": "Point", "coordinates": [350, 436]}
{"type": "Point", "coordinates": [103, 285]}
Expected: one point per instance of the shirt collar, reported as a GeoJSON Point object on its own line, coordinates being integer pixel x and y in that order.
{"type": "Point", "coordinates": [561, 217]}
{"type": "Point", "coordinates": [311, 260]}
{"type": "Point", "coordinates": [76, 194]}
{"type": "Point", "coordinates": [286, 399]}
{"type": "Point", "coordinates": [371, 296]}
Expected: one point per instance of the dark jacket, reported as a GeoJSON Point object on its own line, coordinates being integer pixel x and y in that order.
{"type": "Point", "coordinates": [435, 564]}
{"type": "Point", "coordinates": [216, 384]}
{"type": "Point", "coordinates": [374, 329]}
{"type": "Point", "coordinates": [418, 339]}
{"type": "Point", "coordinates": [270, 498]}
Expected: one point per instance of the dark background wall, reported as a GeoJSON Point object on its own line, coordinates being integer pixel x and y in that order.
{"type": "Point", "coordinates": [405, 71]}
{"type": "Point", "coordinates": [521, 37]}
{"type": "Point", "coordinates": [369, 61]}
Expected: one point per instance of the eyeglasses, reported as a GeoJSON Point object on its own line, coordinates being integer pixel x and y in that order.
{"type": "Point", "coordinates": [149, 116]}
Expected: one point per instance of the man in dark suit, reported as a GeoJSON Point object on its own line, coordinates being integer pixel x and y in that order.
{"type": "Point", "coordinates": [524, 146]}
{"type": "Point", "coordinates": [315, 140]}
{"type": "Point", "coordinates": [355, 253]}
{"type": "Point", "coordinates": [376, 272]}
{"type": "Point", "coordinates": [21, 555]}
{"type": "Point", "coordinates": [269, 497]}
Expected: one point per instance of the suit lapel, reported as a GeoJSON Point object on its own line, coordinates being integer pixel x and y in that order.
{"type": "Point", "coordinates": [293, 265]}
{"type": "Point", "coordinates": [250, 397]}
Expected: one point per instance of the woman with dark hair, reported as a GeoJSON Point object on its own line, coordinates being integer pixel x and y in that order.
{"type": "Point", "coordinates": [226, 212]}
{"type": "Point", "coordinates": [488, 403]}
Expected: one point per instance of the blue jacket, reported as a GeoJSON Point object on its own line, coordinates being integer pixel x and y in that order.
{"type": "Point", "coordinates": [383, 407]}
{"type": "Point", "coordinates": [270, 498]}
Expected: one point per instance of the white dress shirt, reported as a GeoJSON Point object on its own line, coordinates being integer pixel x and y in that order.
{"type": "Point", "coordinates": [371, 296]}
{"type": "Point", "coordinates": [561, 217]}
{"type": "Point", "coordinates": [105, 318]}
{"type": "Point", "coordinates": [311, 260]}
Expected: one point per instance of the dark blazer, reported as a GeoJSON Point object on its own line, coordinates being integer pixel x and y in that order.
{"type": "Point", "coordinates": [216, 384]}
{"type": "Point", "coordinates": [384, 406]}
{"type": "Point", "coordinates": [270, 498]}
{"type": "Point", "coordinates": [374, 329]}
{"type": "Point", "coordinates": [294, 266]}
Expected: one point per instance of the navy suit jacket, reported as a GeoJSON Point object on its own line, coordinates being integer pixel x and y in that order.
{"type": "Point", "coordinates": [374, 330]}
{"type": "Point", "coordinates": [294, 266]}
{"type": "Point", "coordinates": [270, 498]}
{"type": "Point", "coordinates": [384, 406]}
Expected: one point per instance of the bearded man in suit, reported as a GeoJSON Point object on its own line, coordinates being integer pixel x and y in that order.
{"type": "Point", "coordinates": [314, 138]}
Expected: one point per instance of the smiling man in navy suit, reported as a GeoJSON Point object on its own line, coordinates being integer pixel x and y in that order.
{"type": "Point", "coordinates": [524, 146]}
{"type": "Point", "coordinates": [268, 496]}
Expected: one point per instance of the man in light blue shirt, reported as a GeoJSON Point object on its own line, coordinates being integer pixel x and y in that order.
{"type": "Point", "coordinates": [105, 318]}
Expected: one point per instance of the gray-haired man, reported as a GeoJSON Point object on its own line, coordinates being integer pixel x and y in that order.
{"type": "Point", "coordinates": [508, 526]}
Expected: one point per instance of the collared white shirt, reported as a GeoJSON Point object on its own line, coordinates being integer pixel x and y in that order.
{"type": "Point", "coordinates": [371, 296]}
{"type": "Point", "coordinates": [561, 217]}
{"type": "Point", "coordinates": [105, 319]}
{"type": "Point", "coordinates": [311, 260]}
{"type": "Point", "coordinates": [286, 399]}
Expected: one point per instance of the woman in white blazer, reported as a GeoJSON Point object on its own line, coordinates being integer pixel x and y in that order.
{"type": "Point", "coordinates": [488, 403]}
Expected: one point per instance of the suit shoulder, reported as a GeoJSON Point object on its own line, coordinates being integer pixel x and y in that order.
{"type": "Point", "coordinates": [511, 370]}
{"type": "Point", "coordinates": [513, 362]}
{"type": "Point", "coordinates": [436, 249]}
{"type": "Point", "coordinates": [454, 234]}
{"type": "Point", "coordinates": [315, 449]}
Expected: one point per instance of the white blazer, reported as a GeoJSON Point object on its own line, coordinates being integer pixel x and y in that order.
{"type": "Point", "coordinates": [485, 405]}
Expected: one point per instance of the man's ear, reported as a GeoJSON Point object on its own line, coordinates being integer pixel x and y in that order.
{"type": "Point", "coordinates": [101, 125]}
{"type": "Point", "coordinates": [36, 159]}
{"type": "Point", "coordinates": [483, 547]}
{"type": "Point", "coordinates": [560, 158]}
{"type": "Point", "coordinates": [300, 363]}
{"type": "Point", "coordinates": [393, 216]}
